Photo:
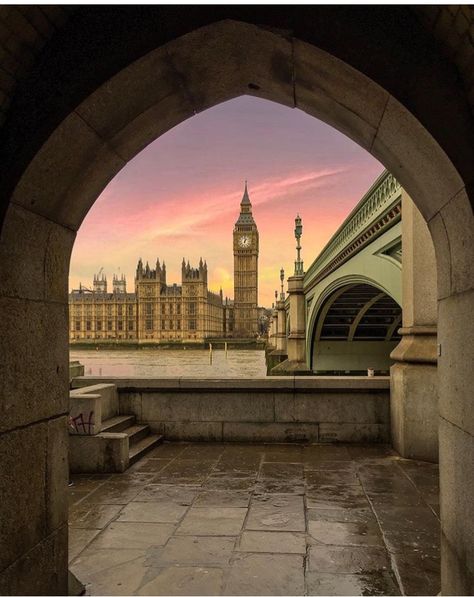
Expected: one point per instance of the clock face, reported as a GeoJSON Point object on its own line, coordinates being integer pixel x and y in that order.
{"type": "Point", "coordinates": [244, 242]}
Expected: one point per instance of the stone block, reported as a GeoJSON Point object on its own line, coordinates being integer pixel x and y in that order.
{"type": "Point", "coordinates": [85, 412]}
{"type": "Point", "coordinates": [270, 432]}
{"type": "Point", "coordinates": [207, 406]}
{"type": "Point", "coordinates": [108, 397]}
{"type": "Point", "coordinates": [215, 65]}
{"type": "Point", "coordinates": [88, 162]}
{"type": "Point", "coordinates": [192, 431]}
{"type": "Point", "coordinates": [41, 571]}
{"type": "Point", "coordinates": [414, 410]}
{"type": "Point", "coordinates": [24, 520]}
{"type": "Point", "coordinates": [144, 84]}
{"type": "Point", "coordinates": [33, 381]}
{"type": "Point", "coordinates": [333, 407]}
{"type": "Point", "coordinates": [456, 335]}
{"type": "Point", "coordinates": [457, 508]}
{"type": "Point", "coordinates": [458, 219]}
{"type": "Point", "coordinates": [354, 432]}
{"type": "Point", "coordinates": [404, 146]}
{"type": "Point", "coordinates": [443, 255]}
{"type": "Point", "coordinates": [342, 97]}
{"type": "Point", "coordinates": [57, 477]}
{"type": "Point", "coordinates": [34, 256]}
{"type": "Point", "coordinates": [130, 403]}
{"type": "Point", "coordinates": [103, 453]}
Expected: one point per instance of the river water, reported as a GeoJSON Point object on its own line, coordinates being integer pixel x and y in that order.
{"type": "Point", "coordinates": [157, 363]}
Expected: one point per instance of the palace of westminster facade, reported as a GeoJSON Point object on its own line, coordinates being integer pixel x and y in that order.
{"type": "Point", "coordinates": [158, 313]}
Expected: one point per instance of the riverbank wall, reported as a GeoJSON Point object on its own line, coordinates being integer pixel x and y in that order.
{"type": "Point", "coordinates": [283, 409]}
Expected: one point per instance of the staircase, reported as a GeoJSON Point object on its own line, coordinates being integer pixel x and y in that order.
{"type": "Point", "coordinates": [140, 439]}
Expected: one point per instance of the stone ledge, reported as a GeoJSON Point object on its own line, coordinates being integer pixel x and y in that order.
{"type": "Point", "coordinates": [262, 384]}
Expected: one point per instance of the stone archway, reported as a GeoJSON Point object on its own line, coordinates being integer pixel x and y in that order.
{"type": "Point", "coordinates": [92, 142]}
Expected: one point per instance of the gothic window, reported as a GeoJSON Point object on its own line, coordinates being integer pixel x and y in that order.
{"type": "Point", "coordinates": [120, 324]}
{"type": "Point", "coordinates": [192, 308]}
{"type": "Point", "coordinates": [130, 325]}
{"type": "Point", "coordinates": [99, 326]}
{"type": "Point", "coordinates": [130, 310]}
{"type": "Point", "coordinates": [163, 326]}
{"type": "Point", "coordinates": [178, 324]}
{"type": "Point", "coordinates": [149, 324]}
{"type": "Point", "coordinates": [163, 308]}
{"type": "Point", "coordinates": [88, 326]}
{"type": "Point", "coordinates": [119, 310]}
{"type": "Point", "coordinates": [171, 324]}
{"type": "Point", "coordinates": [148, 308]}
{"type": "Point", "coordinates": [109, 326]}
{"type": "Point", "coordinates": [192, 324]}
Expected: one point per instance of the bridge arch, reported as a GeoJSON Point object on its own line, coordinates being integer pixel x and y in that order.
{"type": "Point", "coordinates": [88, 108]}
{"type": "Point", "coordinates": [354, 327]}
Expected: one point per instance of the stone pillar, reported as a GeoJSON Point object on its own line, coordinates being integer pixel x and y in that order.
{"type": "Point", "coordinates": [413, 377]}
{"type": "Point", "coordinates": [281, 325]}
{"type": "Point", "coordinates": [278, 354]}
{"type": "Point", "coordinates": [296, 342]}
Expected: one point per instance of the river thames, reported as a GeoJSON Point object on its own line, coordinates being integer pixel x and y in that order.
{"type": "Point", "coordinates": [157, 363]}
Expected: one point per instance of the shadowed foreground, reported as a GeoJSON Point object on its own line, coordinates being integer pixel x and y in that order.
{"type": "Point", "coordinates": [243, 519]}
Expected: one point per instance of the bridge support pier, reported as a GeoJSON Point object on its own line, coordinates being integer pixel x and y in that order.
{"type": "Point", "coordinates": [296, 343]}
{"type": "Point", "coordinates": [279, 354]}
{"type": "Point", "coordinates": [413, 377]}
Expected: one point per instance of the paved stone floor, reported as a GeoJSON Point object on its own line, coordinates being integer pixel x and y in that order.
{"type": "Point", "coordinates": [236, 519]}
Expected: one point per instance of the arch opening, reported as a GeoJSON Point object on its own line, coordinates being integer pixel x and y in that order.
{"type": "Point", "coordinates": [355, 330]}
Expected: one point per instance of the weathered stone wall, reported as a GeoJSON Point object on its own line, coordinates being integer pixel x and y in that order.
{"type": "Point", "coordinates": [286, 409]}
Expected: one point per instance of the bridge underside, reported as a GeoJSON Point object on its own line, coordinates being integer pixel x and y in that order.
{"type": "Point", "coordinates": [357, 329]}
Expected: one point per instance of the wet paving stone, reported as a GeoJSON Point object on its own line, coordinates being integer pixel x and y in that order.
{"type": "Point", "coordinates": [365, 515]}
{"type": "Point", "coordinates": [375, 583]}
{"type": "Point", "coordinates": [345, 533]}
{"type": "Point", "coordinates": [79, 539]}
{"type": "Point", "coordinates": [184, 580]}
{"type": "Point", "coordinates": [110, 571]}
{"type": "Point", "coordinates": [93, 516]}
{"type": "Point", "coordinates": [181, 495]}
{"type": "Point", "coordinates": [152, 465]}
{"type": "Point", "coordinates": [276, 512]}
{"type": "Point", "coordinates": [329, 477]}
{"type": "Point", "coordinates": [337, 559]}
{"type": "Point", "coordinates": [223, 499]}
{"type": "Point", "coordinates": [133, 535]}
{"type": "Point", "coordinates": [242, 519]}
{"type": "Point", "coordinates": [264, 574]}
{"type": "Point", "coordinates": [212, 521]}
{"type": "Point", "coordinates": [152, 512]}
{"type": "Point", "coordinates": [272, 542]}
{"type": "Point", "coordinates": [336, 496]}
{"type": "Point", "coordinates": [195, 550]}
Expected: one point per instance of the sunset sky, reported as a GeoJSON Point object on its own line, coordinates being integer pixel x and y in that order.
{"type": "Point", "coordinates": [180, 196]}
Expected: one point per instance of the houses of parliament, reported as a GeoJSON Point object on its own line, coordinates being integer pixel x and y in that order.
{"type": "Point", "coordinates": [159, 313]}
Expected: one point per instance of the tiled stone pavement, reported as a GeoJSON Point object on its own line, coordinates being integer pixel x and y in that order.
{"type": "Point", "coordinates": [234, 519]}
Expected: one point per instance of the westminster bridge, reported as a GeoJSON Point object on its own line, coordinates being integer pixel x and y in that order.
{"type": "Point", "coordinates": [357, 311]}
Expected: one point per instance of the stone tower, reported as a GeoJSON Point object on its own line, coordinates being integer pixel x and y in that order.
{"type": "Point", "coordinates": [245, 271]}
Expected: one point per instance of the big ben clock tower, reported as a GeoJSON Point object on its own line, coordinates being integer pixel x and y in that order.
{"type": "Point", "coordinates": [245, 271]}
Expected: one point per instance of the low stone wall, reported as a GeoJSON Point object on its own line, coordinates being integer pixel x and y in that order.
{"type": "Point", "coordinates": [283, 409]}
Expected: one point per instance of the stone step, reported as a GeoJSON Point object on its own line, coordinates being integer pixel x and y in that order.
{"type": "Point", "coordinates": [117, 424]}
{"type": "Point", "coordinates": [143, 446]}
{"type": "Point", "coordinates": [136, 433]}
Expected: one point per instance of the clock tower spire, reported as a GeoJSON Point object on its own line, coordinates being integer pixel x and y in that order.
{"type": "Point", "coordinates": [245, 271]}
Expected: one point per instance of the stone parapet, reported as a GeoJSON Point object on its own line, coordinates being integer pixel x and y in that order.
{"type": "Point", "coordinates": [269, 409]}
